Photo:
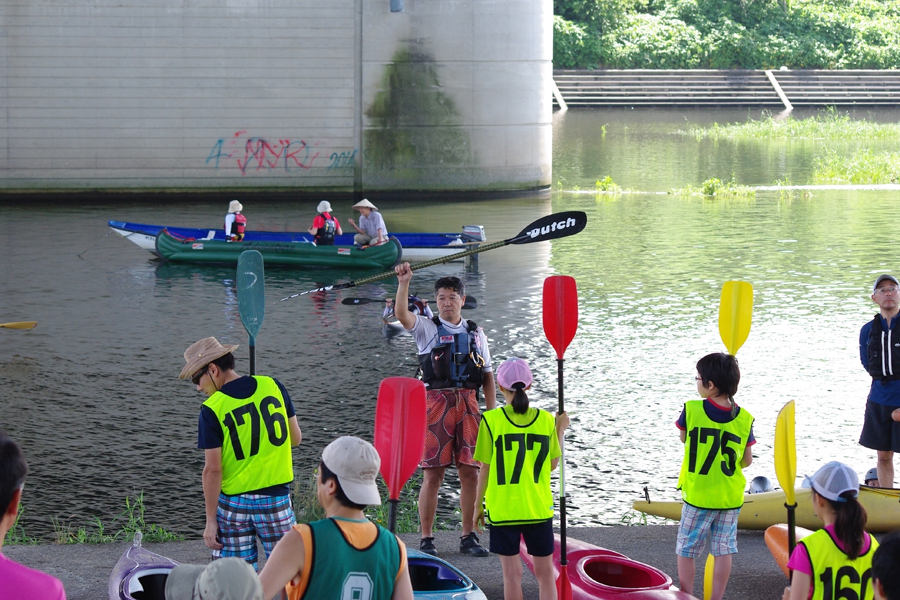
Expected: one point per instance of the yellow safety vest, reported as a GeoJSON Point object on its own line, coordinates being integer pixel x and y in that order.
{"type": "Point", "coordinates": [711, 473]}
{"type": "Point", "coordinates": [256, 450]}
{"type": "Point", "coordinates": [834, 574]}
{"type": "Point", "coordinates": [518, 489]}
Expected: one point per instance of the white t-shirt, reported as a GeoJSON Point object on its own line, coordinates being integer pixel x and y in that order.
{"type": "Point", "coordinates": [425, 333]}
{"type": "Point", "coordinates": [372, 223]}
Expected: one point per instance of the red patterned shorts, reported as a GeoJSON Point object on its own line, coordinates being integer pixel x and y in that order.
{"type": "Point", "coordinates": [453, 419]}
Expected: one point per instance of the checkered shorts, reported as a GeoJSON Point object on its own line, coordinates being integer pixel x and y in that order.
{"type": "Point", "coordinates": [699, 523]}
{"type": "Point", "coordinates": [243, 517]}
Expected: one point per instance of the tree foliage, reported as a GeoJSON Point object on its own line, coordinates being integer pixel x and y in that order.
{"type": "Point", "coordinates": [721, 34]}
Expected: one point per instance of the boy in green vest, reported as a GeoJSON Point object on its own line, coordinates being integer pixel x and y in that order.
{"type": "Point", "coordinates": [717, 435]}
{"type": "Point", "coordinates": [343, 555]}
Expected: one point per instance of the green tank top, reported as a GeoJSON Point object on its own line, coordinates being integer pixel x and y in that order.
{"type": "Point", "coordinates": [711, 473]}
{"type": "Point", "coordinates": [834, 574]}
{"type": "Point", "coordinates": [339, 570]}
{"type": "Point", "coordinates": [518, 489]}
{"type": "Point", "coordinates": [256, 450]}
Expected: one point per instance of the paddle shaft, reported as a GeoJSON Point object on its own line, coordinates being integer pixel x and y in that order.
{"type": "Point", "coordinates": [563, 561]}
{"type": "Point", "coordinates": [252, 347]}
{"type": "Point", "coordinates": [415, 267]}
{"type": "Point", "coordinates": [792, 534]}
{"type": "Point", "coordinates": [547, 228]}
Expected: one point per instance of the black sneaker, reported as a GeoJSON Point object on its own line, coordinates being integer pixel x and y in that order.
{"type": "Point", "coordinates": [468, 544]}
{"type": "Point", "coordinates": [426, 545]}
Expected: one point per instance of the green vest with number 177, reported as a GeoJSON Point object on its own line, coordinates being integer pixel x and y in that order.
{"type": "Point", "coordinates": [256, 450]}
{"type": "Point", "coordinates": [711, 473]}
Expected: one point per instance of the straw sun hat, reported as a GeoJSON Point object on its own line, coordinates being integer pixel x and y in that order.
{"type": "Point", "coordinates": [201, 354]}
{"type": "Point", "coordinates": [364, 204]}
{"type": "Point", "coordinates": [235, 207]}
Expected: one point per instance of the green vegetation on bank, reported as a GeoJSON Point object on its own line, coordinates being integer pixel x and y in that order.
{"type": "Point", "coordinates": [826, 125]}
{"type": "Point", "coordinates": [862, 167]}
{"type": "Point", "coordinates": [122, 528]}
{"type": "Point", "coordinates": [726, 34]}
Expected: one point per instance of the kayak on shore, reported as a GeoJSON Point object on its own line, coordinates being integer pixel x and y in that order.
{"type": "Point", "coordinates": [777, 541]}
{"type": "Point", "coordinates": [416, 246]}
{"type": "Point", "coordinates": [767, 508]}
{"type": "Point", "coordinates": [289, 254]}
{"type": "Point", "coordinates": [141, 574]}
{"type": "Point", "coordinates": [596, 573]}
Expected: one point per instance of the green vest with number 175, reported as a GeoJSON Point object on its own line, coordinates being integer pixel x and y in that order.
{"type": "Point", "coordinates": [711, 473]}
{"type": "Point", "coordinates": [256, 450]}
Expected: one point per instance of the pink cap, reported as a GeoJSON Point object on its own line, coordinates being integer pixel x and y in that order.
{"type": "Point", "coordinates": [512, 371]}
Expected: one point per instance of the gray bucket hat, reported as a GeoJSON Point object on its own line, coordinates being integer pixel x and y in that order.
{"type": "Point", "coordinates": [224, 579]}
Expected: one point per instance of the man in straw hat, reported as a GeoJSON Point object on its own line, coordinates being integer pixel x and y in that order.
{"type": "Point", "coordinates": [343, 555]}
{"type": "Point", "coordinates": [226, 579]}
{"type": "Point", "coordinates": [245, 426]}
{"type": "Point", "coordinates": [371, 225]}
{"type": "Point", "coordinates": [325, 226]}
{"type": "Point", "coordinates": [235, 222]}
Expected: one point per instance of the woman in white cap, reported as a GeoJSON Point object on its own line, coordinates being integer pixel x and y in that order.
{"type": "Point", "coordinates": [235, 222]}
{"type": "Point", "coordinates": [516, 481]}
{"type": "Point", "coordinates": [834, 562]}
{"type": "Point", "coordinates": [325, 226]}
{"type": "Point", "coordinates": [371, 225]}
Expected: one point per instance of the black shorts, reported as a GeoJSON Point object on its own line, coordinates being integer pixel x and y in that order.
{"type": "Point", "coordinates": [880, 431]}
{"type": "Point", "coordinates": [538, 538]}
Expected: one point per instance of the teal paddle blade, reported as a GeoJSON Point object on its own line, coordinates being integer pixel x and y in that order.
{"type": "Point", "coordinates": [251, 292]}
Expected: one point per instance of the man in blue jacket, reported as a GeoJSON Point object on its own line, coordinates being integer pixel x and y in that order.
{"type": "Point", "coordinates": [879, 352]}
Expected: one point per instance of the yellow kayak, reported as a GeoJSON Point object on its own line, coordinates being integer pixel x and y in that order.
{"type": "Point", "coordinates": [767, 508]}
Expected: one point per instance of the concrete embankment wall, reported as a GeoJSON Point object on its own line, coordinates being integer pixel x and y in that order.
{"type": "Point", "coordinates": [267, 95]}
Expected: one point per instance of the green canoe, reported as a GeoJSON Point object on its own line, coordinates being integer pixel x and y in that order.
{"type": "Point", "coordinates": [291, 254]}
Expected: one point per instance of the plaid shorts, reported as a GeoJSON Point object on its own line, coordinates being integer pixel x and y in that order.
{"type": "Point", "coordinates": [243, 517]}
{"type": "Point", "coordinates": [699, 523]}
{"type": "Point", "coordinates": [453, 419]}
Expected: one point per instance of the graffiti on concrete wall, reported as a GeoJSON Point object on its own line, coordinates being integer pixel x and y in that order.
{"type": "Point", "coordinates": [253, 154]}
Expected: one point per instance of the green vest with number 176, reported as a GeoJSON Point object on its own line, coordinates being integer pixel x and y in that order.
{"type": "Point", "coordinates": [711, 473]}
{"type": "Point", "coordinates": [256, 450]}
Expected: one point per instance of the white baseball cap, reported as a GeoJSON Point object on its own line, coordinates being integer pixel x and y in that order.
{"type": "Point", "coordinates": [223, 579]}
{"type": "Point", "coordinates": [833, 479]}
{"type": "Point", "coordinates": [356, 464]}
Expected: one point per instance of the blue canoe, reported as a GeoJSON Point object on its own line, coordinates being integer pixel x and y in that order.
{"type": "Point", "coordinates": [416, 246]}
{"type": "Point", "coordinates": [141, 575]}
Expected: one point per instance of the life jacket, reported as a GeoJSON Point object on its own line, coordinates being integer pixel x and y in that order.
{"type": "Point", "coordinates": [834, 574]}
{"type": "Point", "coordinates": [240, 222]}
{"type": "Point", "coordinates": [325, 234]}
{"type": "Point", "coordinates": [882, 352]}
{"type": "Point", "coordinates": [455, 362]}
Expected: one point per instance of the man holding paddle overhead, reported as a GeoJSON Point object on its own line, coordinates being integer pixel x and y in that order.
{"type": "Point", "coordinates": [879, 352]}
{"type": "Point", "coordinates": [247, 428]}
{"type": "Point", "coordinates": [455, 361]}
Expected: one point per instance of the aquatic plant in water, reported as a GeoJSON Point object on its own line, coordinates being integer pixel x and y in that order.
{"type": "Point", "coordinates": [826, 125]}
{"type": "Point", "coordinates": [718, 188]}
{"type": "Point", "coordinates": [862, 167]}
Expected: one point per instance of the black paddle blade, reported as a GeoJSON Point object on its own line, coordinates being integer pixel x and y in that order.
{"type": "Point", "coordinates": [551, 227]}
{"type": "Point", "coordinates": [358, 301]}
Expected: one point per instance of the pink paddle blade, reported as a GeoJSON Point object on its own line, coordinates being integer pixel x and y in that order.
{"type": "Point", "coordinates": [399, 430]}
{"type": "Point", "coordinates": [560, 311]}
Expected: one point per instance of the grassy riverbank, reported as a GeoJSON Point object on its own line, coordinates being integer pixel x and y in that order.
{"type": "Point", "coordinates": [703, 34]}
{"type": "Point", "coordinates": [122, 527]}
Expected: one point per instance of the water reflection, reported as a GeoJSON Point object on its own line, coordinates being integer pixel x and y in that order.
{"type": "Point", "coordinates": [93, 397]}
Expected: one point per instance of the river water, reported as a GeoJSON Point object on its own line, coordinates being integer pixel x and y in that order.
{"type": "Point", "coordinates": [92, 393]}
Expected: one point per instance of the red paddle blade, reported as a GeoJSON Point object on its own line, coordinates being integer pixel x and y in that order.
{"type": "Point", "coordinates": [400, 430]}
{"type": "Point", "coordinates": [563, 585]}
{"type": "Point", "coordinates": [560, 311]}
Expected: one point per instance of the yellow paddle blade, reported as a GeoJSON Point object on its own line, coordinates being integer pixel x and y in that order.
{"type": "Point", "coordinates": [786, 451]}
{"type": "Point", "coordinates": [19, 325]}
{"type": "Point", "coordinates": [735, 312]}
{"type": "Point", "coordinates": [708, 576]}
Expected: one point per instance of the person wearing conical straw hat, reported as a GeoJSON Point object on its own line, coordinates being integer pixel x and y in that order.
{"type": "Point", "coordinates": [247, 428]}
{"type": "Point", "coordinates": [325, 226]}
{"type": "Point", "coordinates": [235, 222]}
{"type": "Point", "coordinates": [371, 225]}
